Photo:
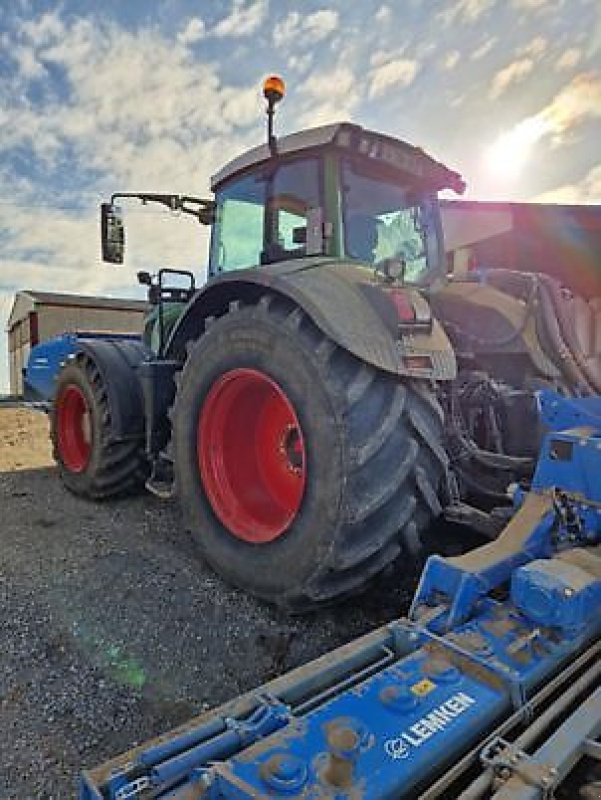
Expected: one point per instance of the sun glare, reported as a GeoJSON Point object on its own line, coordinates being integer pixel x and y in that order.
{"type": "Point", "coordinates": [507, 156]}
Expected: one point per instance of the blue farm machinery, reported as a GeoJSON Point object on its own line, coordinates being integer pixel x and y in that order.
{"type": "Point", "coordinates": [489, 689]}
{"type": "Point", "coordinates": [47, 359]}
{"type": "Point", "coordinates": [329, 393]}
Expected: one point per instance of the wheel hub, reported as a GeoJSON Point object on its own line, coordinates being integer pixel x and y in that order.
{"type": "Point", "coordinates": [251, 455]}
{"type": "Point", "coordinates": [291, 449]}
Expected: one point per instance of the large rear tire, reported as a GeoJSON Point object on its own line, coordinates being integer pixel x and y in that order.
{"type": "Point", "coordinates": [92, 461]}
{"type": "Point", "coordinates": [301, 470]}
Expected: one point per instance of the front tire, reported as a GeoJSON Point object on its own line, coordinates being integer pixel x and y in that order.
{"type": "Point", "coordinates": [362, 448]}
{"type": "Point", "coordinates": [91, 460]}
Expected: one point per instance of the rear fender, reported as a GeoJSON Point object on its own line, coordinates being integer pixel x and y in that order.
{"type": "Point", "coordinates": [117, 361]}
{"type": "Point", "coordinates": [384, 325]}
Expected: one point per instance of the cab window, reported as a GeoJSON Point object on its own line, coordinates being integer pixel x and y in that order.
{"type": "Point", "coordinates": [386, 220]}
{"type": "Point", "coordinates": [293, 192]}
{"type": "Point", "coordinates": [262, 218]}
{"type": "Point", "coordinates": [237, 239]}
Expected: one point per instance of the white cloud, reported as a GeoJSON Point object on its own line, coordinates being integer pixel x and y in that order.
{"type": "Point", "coordinates": [569, 59]}
{"type": "Point", "coordinates": [535, 47]}
{"type": "Point", "coordinates": [36, 235]}
{"type": "Point", "coordinates": [28, 64]}
{"type": "Point", "coordinates": [398, 72]}
{"type": "Point", "coordinates": [588, 190]}
{"type": "Point", "coordinates": [594, 43]}
{"type": "Point", "coordinates": [137, 112]}
{"type": "Point", "coordinates": [508, 76]}
{"type": "Point", "coordinates": [529, 5]}
{"type": "Point", "coordinates": [193, 32]}
{"type": "Point", "coordinates": [341, 81]}
{"type": "Point", "coordinates": [311, 28]}
{"type": "Point", "coordinates": [287, 29]}
{"type": "Point", "coordinates": [451, 60]}
{"type": "Point", "coordinates": [464, 11]}
{"type": "Point", "coordinates": [339, 102]}
{"type": "Point", "coordinates": [484, 48]}
{"type": "Point", "coordinates": [321, 24]}
{"type": "Point", "coordinates": [241, 106]}
{"type": "Point", "coordinates": [177, 102]}
{"type": "Point", "coordinates": [578, 102]}
{"type": "Point", "coordinates": [301, 62]}
{"type": "Point", "coordinates": [380, 57]}
{"type": "Point", "coordinates": [42, 29]}
{"type": "Point", "coordinates": [24, 126]}
{"type": "Point", "coordinates": [383, 14]}
{"type": "Point", "coordinates": [244, 19]}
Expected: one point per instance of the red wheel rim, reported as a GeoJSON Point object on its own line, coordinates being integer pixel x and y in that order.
{"type": "Point", "coordinates": [251, 455]}
{"type": "Point", "coordinates": [73, 424]}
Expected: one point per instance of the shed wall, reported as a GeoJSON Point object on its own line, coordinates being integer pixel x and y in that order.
{"type": "Point", "coordinates": [53, 320]}
{"type": "Point", "coordinates": [19, 346]}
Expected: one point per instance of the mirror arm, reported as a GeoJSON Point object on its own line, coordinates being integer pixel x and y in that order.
{"type": "Point", "coordinates": [204, 213]}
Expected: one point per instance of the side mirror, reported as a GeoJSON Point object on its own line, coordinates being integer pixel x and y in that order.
{"type": "Point", "coordinates": [112, 233]}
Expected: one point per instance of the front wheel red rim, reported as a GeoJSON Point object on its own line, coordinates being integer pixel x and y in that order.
{"type": "Point", "coordinates": [73, 428]}
{"type": "Point", "coordinates": [251, 455]}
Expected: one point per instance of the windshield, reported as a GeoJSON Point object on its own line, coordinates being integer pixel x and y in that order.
{"type": "Point", "coordinates": [385, 220]}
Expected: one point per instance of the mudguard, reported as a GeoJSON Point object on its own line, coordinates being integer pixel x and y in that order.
{"type": "Point", "coordinates": [383, 324]}
{"type": "Point", "coordinates": [117, 361]}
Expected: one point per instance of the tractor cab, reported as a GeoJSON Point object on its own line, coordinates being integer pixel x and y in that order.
{"type": "Point", "coordinates": [338, 191]}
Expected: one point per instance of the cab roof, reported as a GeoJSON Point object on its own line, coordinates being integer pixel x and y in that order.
{"type": "Point", "coordinates": [399, 156]}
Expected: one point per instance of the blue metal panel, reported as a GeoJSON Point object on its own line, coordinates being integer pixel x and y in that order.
{"type": "Point", "coordinates": [44, 364]}
{"type": "Point", "coordinates": [557, 595]}
{"type": "Point", "coordinates": [47, 358]}
{"type": "Point", "coordinates": [379, 740]}
{"type": "Point", "coordinates": [560, 413]}
{"type": "Point", "coordinates": [569, 458]}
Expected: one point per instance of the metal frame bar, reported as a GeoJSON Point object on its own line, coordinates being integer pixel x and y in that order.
{"type": "Point", "coordinates": [559, 754]}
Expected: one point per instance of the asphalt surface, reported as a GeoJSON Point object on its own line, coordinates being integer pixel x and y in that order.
{"type": "Point", "coordinates": [113, 630]}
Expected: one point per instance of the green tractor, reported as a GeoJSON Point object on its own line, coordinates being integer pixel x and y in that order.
{"type": "Point", "coordinates": [329, 393]}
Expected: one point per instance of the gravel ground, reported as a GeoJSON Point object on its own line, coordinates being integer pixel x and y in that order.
{"type": "Point", "coordinates": [114, 630]}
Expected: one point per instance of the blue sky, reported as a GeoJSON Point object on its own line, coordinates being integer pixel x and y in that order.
{"type": "Point", "coordinates": [156, 96]}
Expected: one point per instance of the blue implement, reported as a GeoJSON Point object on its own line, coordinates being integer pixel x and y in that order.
{"type": "Point", "coordinates": [502, 642]}
{"type": "Point", "coordinates": [47, 358]}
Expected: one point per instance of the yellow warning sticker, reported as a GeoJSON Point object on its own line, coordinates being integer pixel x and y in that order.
{"type": "Point", "coordinates": [422, 688]}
